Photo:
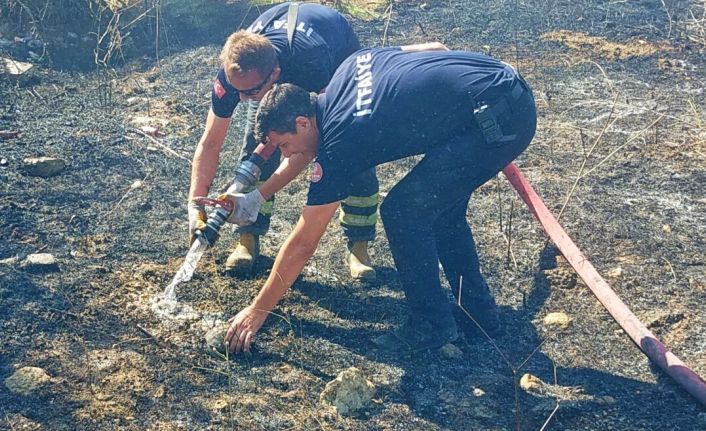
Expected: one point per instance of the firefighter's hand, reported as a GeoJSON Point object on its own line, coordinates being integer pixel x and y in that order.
{"type": "Point", "coordinates": [243, 327]}
{"type": "Point", "coordinates": [197, 220]}
{"type": "Point", "coordinates": [245, 207]}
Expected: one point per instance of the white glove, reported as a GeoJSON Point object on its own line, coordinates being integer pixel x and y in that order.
{"type": "Point", "coordinates": [246, 208]}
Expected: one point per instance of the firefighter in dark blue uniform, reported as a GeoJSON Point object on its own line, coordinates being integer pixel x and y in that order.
{"type": "Point", "coordinates": [469, 115]}
{"type": "Point", "coordinates": [252, 61]}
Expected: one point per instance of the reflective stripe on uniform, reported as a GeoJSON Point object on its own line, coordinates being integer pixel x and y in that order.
{"type": "Point", "coordinates": [362, 201]}
{"type": "Point", "coordinates": [358, 220]}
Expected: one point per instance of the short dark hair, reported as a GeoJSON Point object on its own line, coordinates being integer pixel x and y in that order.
{"type": "Point", "coordinates": [280, 107]}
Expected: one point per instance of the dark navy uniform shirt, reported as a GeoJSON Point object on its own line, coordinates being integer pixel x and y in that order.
{"type": "Point", "coordinates": [322, 41]}
{"type": "Point", "coordinates": [386, 104]}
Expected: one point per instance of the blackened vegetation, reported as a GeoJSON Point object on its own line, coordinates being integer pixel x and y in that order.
{"type": "Point", "coordinates": [619, 88]}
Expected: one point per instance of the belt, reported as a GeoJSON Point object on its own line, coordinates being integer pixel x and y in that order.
{"type": "Point", "coordinates": [518, 89]}
{"type": "Point", "coordinates": [487, 114]}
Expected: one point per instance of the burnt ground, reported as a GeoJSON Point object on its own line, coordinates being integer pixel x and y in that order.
{"type": "Point", "coordinates": [619, 87]}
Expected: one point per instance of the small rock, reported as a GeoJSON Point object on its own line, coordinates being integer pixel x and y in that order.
{"type": "Point", "coordinates": [35, 44]}
{"type": "Point", "coordinates": [656, 319]}
{"type": "Point", "coordinates": [215, 338]}
{"type": "Point", "coordinates": [19, 422]}
{"type": "Point", "coordinates": [606, 400]}
{"type": "Point", "coordinates": [9, 261]}
{"type": "Point", "coordinates": [563, 278]}
{"type": "Point", "coordinates": [152, 131]}
{"type": "Point", "coordinates": [43, 166]}
{"type": "Point", "coordinates": [350, 391]}
{"type": "Point", "coordinates": [40, 263]}
{"type": "Point", "coordinates": [478, 392]}
{"type": "Point", "coordinates": [616, 272]}
{"type": "Point", "coordinates": [8, 134]}
{"type": "Point", "coordinates": [530, 383]}
{"type": "Point", "coordinates": [3, 162]}
{"type": "Point", "coordinates": [136, 184]}
{"type": "Point", "coordinates": [450, 351]}
{"type": "Point", "coordinates": [559, 319]}
{"type": "Point", "coordinates": [667, 228]}
{"type": "Point", "coordinates": [27, 380]}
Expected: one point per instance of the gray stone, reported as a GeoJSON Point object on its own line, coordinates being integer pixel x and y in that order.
{"type": "Point", "coordinates": [349, 392]}
{"type": "Point", "coordinates": [558, 319]}
{"type": "Point", "coordinates": [215, 338]}
{"type": "Point", "coordinates": [450, 351]}
{"type": "Point", "coordinates": [9, 261]}
{"type": "Point", "coordinates": [27, 380]}
{"type": "Point", "coordinates": [42, 166]}
{"type": "Point", "coordinates": [530, 383]}
{"type": "Point", "coordinates": [40, 263]}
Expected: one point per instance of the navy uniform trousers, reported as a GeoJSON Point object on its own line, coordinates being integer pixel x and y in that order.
{"type": "Point", "coordinates": [424, 215]}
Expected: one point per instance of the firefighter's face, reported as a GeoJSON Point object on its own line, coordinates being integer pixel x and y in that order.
{"type": "Point", "coordinates": [252, 85]}
{"type": "Point", "coordinates": [304, 141]}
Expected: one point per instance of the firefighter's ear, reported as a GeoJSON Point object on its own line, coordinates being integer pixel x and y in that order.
{"type": "Point", "coordinates": [302, 122]}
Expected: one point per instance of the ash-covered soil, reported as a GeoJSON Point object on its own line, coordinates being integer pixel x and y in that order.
{"type": "Point", "coordinates": [619, 87]}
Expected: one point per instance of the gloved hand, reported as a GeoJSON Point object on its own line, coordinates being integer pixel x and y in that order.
{"type": "Point", "coordinates": [246, 207]}
{"type": "Point", "coordinates": [197, 220]}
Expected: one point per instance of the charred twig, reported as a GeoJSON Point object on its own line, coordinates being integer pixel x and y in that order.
{"type": "Point", "coordinates": [608, 123]}
{"type": "Point", "coordinates": [387, 24]}
{"type": "Point", "coordinates": [488, 337]}
{"type": "Point", "coordinates": [671, 268]}
{"type": "Point", "coordinates": [508, 238]}
{"type": "Point", "coordinates": [161, 145]}
{"type": "Point", "coordinates": [619, 147]}
{"type": "Point", "coordinates": [556, 400]}
{"type": "Point", "coordinates": [149, 334]}
{"type": "Point", "coordinates": [67, 313]}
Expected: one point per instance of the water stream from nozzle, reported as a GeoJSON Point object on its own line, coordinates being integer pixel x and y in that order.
{"type": "Point", "coordinates": [165, 304]}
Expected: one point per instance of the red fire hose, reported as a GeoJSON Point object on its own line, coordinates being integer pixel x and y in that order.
{"type": "Point", "coordinates": [643, 337]}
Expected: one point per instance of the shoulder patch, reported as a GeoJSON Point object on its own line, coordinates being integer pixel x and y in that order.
{"type": "Point", "coordinates": [317, 173]}
{"type": "Point", "coordinates": [218, 89]}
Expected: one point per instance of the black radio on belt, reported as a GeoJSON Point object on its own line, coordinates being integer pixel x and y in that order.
{"type": "Point", "coordinates": [487, 123]}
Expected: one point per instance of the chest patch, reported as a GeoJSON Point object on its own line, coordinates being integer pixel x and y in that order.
{"type": "Point", "coordinates": [218, 89]}
{"type": "Point", "coordinates": [316, 173]}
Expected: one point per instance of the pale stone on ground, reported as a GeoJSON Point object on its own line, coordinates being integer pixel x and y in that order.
{"type": "Point", "coordinates": [531, 383]}
{"type": "Point", "coordinates": [42, 166]}
{"type": "Point", "coordinates": [40, 262]}
{"type": "Point", "coordinates": [450, 351]}
{"type": "Point", "coordinates": [559, 319]}
{"type": "Point", "coordinates": [215, 337]}
{"type": "Point", "coordinates": [9, 261]}
{"type": "Point", "coordinates": [27, 380]}
{"type": "Point", "coordinates": [350, 391]}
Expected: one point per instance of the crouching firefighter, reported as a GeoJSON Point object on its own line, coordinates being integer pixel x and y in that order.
{"type": "Point", "coordinates": [376, 109]}
{"type": "Point", "coordinates": [295, 43]}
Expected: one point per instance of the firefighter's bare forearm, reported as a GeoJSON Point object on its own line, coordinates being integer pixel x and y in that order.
{"type": "Point", "coordinates": [294, 254]}
{"type": "Point", "coordinates": [288, 265]}
{"type": "Point", "coordinates": [430, 46]}
{"type": "Point", "coordinates": [287, 171]}
{"type": "Point", "coordinates": [208, 150]}
{"type": "Point", "coordinates": [203, 169]}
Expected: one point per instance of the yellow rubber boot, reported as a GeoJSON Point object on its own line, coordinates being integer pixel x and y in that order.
{"type": "Point", "coordinates": [242, 259]}
{"type": "Point", "coordinates": [358, 261]}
